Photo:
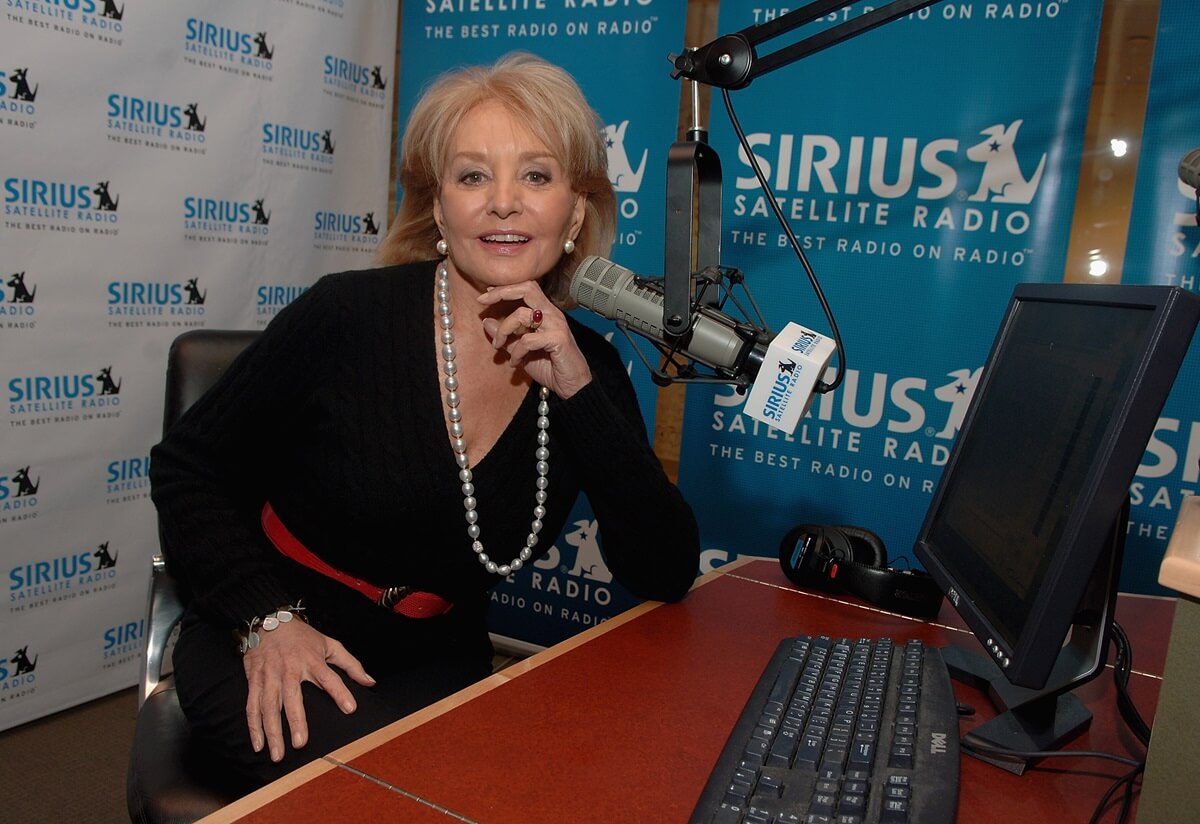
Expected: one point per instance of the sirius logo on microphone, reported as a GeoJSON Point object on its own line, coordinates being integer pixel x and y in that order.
{"type": "Point", "coordinates": [350, 80]}
{"type": "Point", "coordinates": [229, 50]}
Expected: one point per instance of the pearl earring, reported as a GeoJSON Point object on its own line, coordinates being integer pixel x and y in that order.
{"type": "Point", "coordinates": [443, 247]}
{"type": "Point", "coordinates": [569, 246]}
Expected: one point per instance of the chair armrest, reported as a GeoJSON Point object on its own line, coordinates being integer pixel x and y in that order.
{"type": "Point", "coordinates": [163, 613]}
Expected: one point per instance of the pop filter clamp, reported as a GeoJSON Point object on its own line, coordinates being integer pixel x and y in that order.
{"type": "Point", "coordinates": [693, 277]}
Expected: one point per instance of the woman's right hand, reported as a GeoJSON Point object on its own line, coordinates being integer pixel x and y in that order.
{"type": "Point", "coordinates": [285, 657]}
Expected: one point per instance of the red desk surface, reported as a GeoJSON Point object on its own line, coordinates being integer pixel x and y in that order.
{"type": "Point", "coordinates": [624, 723]}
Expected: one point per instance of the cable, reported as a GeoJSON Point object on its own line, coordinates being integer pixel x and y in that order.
{"type": "Point", "coordinates": [822, 387]}
{"type": "Point", "coordinates": [1122, 668]}
{"type": "Point", "coordinates": [1126, 803]}
{"type": "Point", "coordinates": [1126, 780]}
{"type": "Point", "coordinates": [977, 745]}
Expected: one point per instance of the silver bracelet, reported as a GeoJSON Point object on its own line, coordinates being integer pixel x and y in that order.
{"type": "Point", "coordinates": [249, 637]}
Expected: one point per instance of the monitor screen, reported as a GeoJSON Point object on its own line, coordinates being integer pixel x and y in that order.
{"type": "Point", "coordinates": [1029, 499]}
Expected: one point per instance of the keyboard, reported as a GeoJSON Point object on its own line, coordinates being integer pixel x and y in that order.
{"type": "Point", "coordinates": [844, 731]}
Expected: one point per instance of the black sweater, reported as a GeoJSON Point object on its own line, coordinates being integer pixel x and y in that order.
{"type": "Point", "coordinates": [335, 414]}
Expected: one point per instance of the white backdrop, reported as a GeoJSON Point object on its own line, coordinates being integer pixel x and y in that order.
{"type": "Point", "coordinates": [165, 166]}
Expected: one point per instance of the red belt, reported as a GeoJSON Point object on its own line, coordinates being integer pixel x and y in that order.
{"type": "Point", "coordinates": [405, 601]}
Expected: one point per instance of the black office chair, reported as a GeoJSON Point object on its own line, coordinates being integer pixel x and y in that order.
{"type": "Point", "coordinates": [169, 781]}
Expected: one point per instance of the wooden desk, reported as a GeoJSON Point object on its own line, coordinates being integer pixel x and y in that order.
{"type": "Point", "coordinates": [624, 722]}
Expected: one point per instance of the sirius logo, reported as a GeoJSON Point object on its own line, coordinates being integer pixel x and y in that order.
{"type": "Point", "coordinates": [16, 95]}
{"type": "Point", "coordinates": [17, 306]}
{"type": "Point", "coordinates": [60, 200]}
{"type": "Point", "coordinates": [781, 391]}
{"type": "Point", "coordinates": [621, 173]}
{"type": "Point", "coordinates": [19, 494]}
{"type": "Point", "coordinates": [64, 576]}
{"type": "Point", "coordinates": [346, 226]}
{"type": "Point", "coordinates": [84, 12]}
{"type": "Point", "coordinates": [344, 75]}
{"type": "Point", "coordinates": [284, 145]}
{"type": "Point", "coordinates": [1002, 180]}
{"type": "Point", "coordinates": [231, 46]}
{"type": "Point", "coordinates": [212, 215]}
{"type": "Point", "coordinates": [17, 670]}
{"type": "Point", "coordinates": [127, 475]}
{"type": "Point", "coordinates": [888, 168]}
{"type": "Point", "coordinates": [129, 298]}
{"type": "Point", "coordinates": [122, 643]}
{"type": "Point", "coordinates": [140, 118]}
{"type": "Point", "coordinates": [268, 300]}
{"type": "Point", "coordinates": [61, 393]}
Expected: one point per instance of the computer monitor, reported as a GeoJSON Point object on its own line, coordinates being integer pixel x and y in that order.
{"type": "Point", "coordinates": [1025, 530]}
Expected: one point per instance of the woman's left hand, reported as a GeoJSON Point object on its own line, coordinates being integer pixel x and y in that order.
{"type": "Point", "coordinates": [547, 351]}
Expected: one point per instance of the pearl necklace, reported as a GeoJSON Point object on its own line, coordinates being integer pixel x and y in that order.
{"type": "Point", "coordinates": [450, 369]}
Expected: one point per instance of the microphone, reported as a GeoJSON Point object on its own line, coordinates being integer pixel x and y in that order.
{"type": "Point", "coordinates": [790, 363]}
{"type": "Point", "coordinates": [1189, 173]}
{"type": "Point", "coordinates": [1189, 169]}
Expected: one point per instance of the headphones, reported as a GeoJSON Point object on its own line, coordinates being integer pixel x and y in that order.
{"type": "Point", "coordinates": [851, 559]}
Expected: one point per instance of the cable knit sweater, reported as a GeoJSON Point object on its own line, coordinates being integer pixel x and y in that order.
{"type": "Point", "coordinates": [335, 415]}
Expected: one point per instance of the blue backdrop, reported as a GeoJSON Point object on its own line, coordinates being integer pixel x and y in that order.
{"type": "Point", "coordinates": [1164, 248]}
{"type": "Point", "coordinates": [926, 167]}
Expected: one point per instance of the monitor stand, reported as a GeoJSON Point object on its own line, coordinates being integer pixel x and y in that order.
{"type": "Point", "coordinates": [1033, 721]}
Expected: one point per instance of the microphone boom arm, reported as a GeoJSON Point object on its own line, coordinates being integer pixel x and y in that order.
{"type": "Point", "coordinates": [732, 61]}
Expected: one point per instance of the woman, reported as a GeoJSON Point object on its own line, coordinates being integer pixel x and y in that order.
{"type": "Point", "coordinates": [412, 433]}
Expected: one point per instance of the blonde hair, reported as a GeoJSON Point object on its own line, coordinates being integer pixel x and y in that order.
{"type": "Point", "coordinates": [548, 101]}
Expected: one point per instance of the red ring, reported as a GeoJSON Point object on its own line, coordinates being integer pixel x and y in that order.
{"type": "Point", "coordinates": [537, 316]}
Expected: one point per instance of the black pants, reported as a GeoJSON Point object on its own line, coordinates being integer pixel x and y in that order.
{"type": "Point", "coordinates": [212, 687]}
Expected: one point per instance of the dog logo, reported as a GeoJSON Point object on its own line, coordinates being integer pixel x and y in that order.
{"type": "Point", "coordinates": [106, 203]}
{"type": "Point", "coordinates": [25, 487]}
{"type": "Point", "coordinates": [260, 40]}
{"type": "Point", "coordinates": [327, 141]}
{"type": "Point", "coordinates": [261, 216]}
{"type": "Point", "coordinates": [1002, 178]}
{"type": "Point", "coordinates": [377, 81]}
{"type": "Point", "coordinates": [21, 90]}
{"type": "Point", "coordinates": [370, 227]}
{"type": "Point", "coordinates": [195, 296]}
{"type": "Point", "coordinates": [958, 393]}
{"type": "Point", "coordinates": [107, 387]}
{"type": "Point", "coordinates": [111, 11]}
{"type": "Point", "coordinates": [787, 367]}
{"type": "Point", "coordinates": [21, 659]}
{"type": "Point", "coordinates": [21, 293]}
{"type": "Point", "coordinates": [620, 172]}
{"type": "Point", "coordinates": [194, 124]}
{"type": "Point", "coordinates": [105, 560]}
{"type": "Point", "coordinates": [589, 563]}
